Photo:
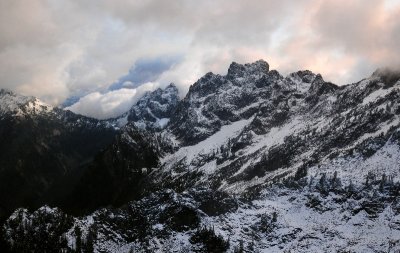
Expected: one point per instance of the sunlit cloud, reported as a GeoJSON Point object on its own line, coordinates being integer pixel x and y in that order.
{"type": "Point", "coordinates": [110, 104]}
{"type": "Point", "coordinates": [58, 49]}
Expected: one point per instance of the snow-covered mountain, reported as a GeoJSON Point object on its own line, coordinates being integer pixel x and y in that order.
{"type": "Point", "coordinates": [253, 127]}
{"type": "Point", "coordinates": [251, 161]}
{"type": "Point", "coordinates": [11, 103]}
{"type": "Point", "coordinates": [154, 109]}
{"type": "Point", "coordinates": [42, 150]}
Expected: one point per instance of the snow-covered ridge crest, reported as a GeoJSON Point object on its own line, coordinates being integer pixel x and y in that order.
{"type": "Point", "coordinates": [286, 123]}
{"type": "Point", "coordinates": [17, 105]}
{"type": "Point", "coordinates": [266, 162]}
{"type": "Point", "coordinates": [152, 111]}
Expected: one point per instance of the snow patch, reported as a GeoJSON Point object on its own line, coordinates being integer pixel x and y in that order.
{"type": "Point", "coordinates": [378, 94]}
{"type": "Point", "coordinates": [208, 145]}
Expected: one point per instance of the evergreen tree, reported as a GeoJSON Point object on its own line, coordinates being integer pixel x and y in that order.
{"type": "Point", "coordinates": [251, 247]}
{"type": "Point", "coordinates": [336, 184]}
{"type": "Point", "coordinates": [209, 241]}
{"type": "Point", "coordinates": [301, 172]}
{"type": "Point", "coordinates": [91, 238]}
{"type": "Point", "coordinates": [382, 183]}
{"type": "Point", "coordinates": [351, 189]}
{"type": "Point", "coordinates": [78, 238]}
{"type": "Point", "coordinates": [322, 185]}
{"type": "Point", "coordinates": [239, 248]}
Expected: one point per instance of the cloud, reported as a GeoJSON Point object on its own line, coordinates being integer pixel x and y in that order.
{"type": "Point", "coordinates": [345, 40]}
{"type": "Point", "coordinates": [144, 71]}
{"type": "Point", "coordinates": [110, 104]}
{"type": "Point", "coordinates": [56, 49]}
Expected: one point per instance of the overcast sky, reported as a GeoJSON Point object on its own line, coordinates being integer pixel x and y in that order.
{"type": "Point", "coordinates": [110, 52]}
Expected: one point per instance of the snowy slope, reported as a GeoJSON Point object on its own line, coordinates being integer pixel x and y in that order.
{"type": "Point", "coordinates": [299, 121]}
{"type": "Point", "coordinates": [265, 162]}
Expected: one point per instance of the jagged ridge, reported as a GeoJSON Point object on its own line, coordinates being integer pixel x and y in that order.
{"type": "Point", "coordinates": [242, 135]}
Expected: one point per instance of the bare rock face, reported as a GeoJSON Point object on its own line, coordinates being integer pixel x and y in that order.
{"type": "Point", "coordinates": [214, 100]}
{"type": "Point", "coordinates": [238, 70]}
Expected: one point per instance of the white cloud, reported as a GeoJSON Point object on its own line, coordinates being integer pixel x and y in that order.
{"type": "Point", "coordinates": [109, 104]}
{"type": "Point", "coordinates": [56, 49]}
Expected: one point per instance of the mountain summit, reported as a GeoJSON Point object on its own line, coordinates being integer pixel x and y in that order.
{"type": "Point", "coordinates": [11, 103]}
{"type": "Point", "coordinates": [154, 109]}
{"type": "Point", "coordinates": [238, 70]}
{"type": "Point", "coordinates": [250, 161]}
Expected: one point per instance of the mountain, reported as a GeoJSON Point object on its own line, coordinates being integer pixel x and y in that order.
{"type": "Point", "coordinates": [250, 161]}
{"type": "Point", "coordinates": [117, 173]}
{"type": "Point", "coordinates": [41, 147]}
{"type": "Point", "coordinates": [154, 109]}
{"type": "Point", "coordinates": [151, 112]}
{"type": "Point", "coordinates": [214, 101]}
{"type": "Point", "coordinates": [251, 127]}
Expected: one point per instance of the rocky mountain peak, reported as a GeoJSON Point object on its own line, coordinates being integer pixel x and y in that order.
{"type": "Point", "coordinates": [215, 100]}
{"type": "Point", "coordinates": [319, 86]}
{"type": "Point", "coordinates": [5, 91]}
{"type": "Point", "coordinates": [240, 70]}
{"type": "Point", "coordinates": [249, 151]}
{"type": "Point", "coordinates": [11, 103]}
{"type": "Point", "coordinates": [387, 75]}
{"type": "Point", "coordinates": [8, 94]}
{"type": "Point", "coordinates": [171, 87]}
{"type": "Point", "coordinates": [305, 76]}
{"type": "Point", "coordinates": [154, 109]}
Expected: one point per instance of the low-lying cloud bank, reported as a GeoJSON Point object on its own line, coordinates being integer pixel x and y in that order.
{"type": "Point", "coordinates": [110, 104]}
